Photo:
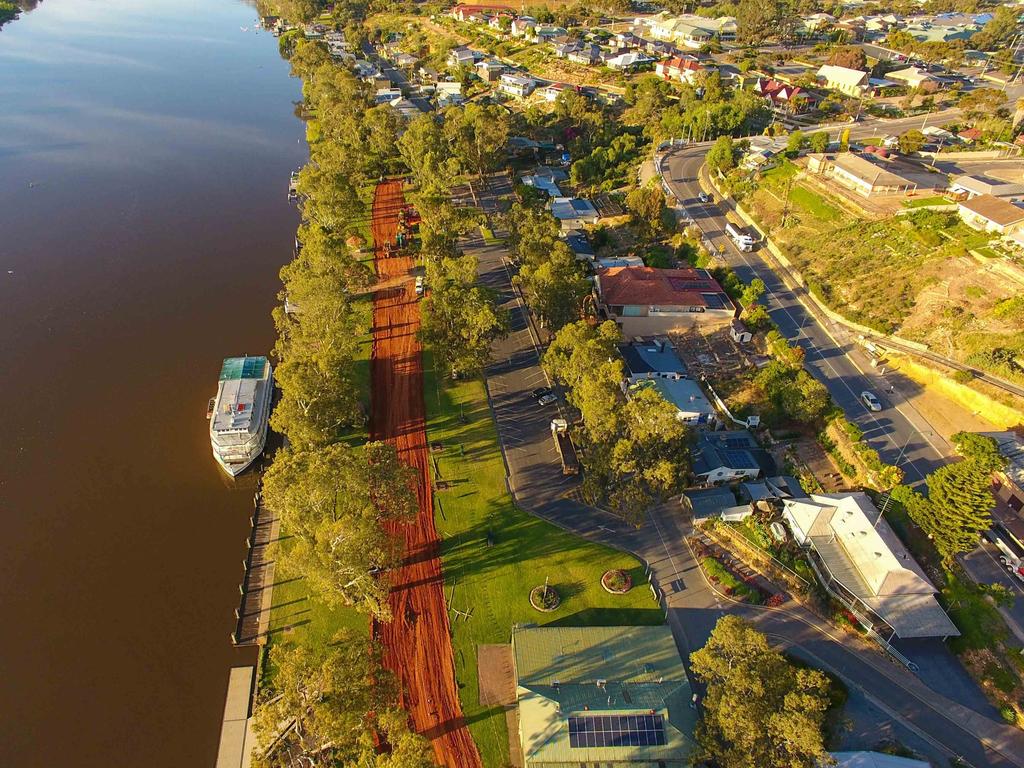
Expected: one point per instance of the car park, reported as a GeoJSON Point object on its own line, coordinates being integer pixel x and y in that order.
{"type": "Point", "coordinates": [871, 401]}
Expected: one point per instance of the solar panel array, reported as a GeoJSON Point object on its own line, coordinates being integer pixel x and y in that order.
{"type": "Point", "coordinates": [617, 731]}
{"type": "Point", "coordinates": [713, 300]}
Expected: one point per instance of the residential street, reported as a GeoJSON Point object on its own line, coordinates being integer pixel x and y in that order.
{"type": "Point", "coordinates": [881, 686]}
{"type": "Point", "coordinates": [898, 432]}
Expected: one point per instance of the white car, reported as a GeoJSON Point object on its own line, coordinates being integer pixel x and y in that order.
{"type": "Point", "coordinates": [419, 286]}
{"type": "Point", "coordinates": [872, 402]}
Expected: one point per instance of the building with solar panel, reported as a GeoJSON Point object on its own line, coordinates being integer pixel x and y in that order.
{"type": "Point", "coordinates": [617, 697]}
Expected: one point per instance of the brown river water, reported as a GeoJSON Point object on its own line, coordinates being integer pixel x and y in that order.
{"type": "Point", "coordinates": [145, 147]}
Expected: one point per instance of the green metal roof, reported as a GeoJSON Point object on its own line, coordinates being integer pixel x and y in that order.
{"type": "Point", "coordinates": [243, 368]}
{"type": "Point", "coordinates": [567, 671]}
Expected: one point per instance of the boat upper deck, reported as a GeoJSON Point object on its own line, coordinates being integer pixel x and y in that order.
{"type": "Point", "coordinates": [241, 395]}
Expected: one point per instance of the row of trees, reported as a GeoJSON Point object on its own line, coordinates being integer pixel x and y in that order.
{"type": "Point", "coordinates": [958, 507]}
{"type": "Point", "coordinates": [334, 704]}
{"type": "Point", "coordinates": [460, 319]}
{"type": "Point", "coordinates": [637, 449]}
{"type": "Point", "coordinates": [549, 276]}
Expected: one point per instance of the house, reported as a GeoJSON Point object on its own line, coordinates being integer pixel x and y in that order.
{"type": "Point", "coordinates": [586, 55]}
{"type": "Point", "coordinates": [625, 41]}
{"type": "Point", "coordinates": [516, 85]}
{"type": "Point", "coordinates": [690, 31]}
{"type": "Point", "coordinates": [609, 262]}
{"type": "Point", "coordinates": [683, 69]}
{"type": "Point", "coordinates": [974, 186]}
{"type": "Point", "coordinates": [779, 94]}
{"type": "Point", "coordinates": [717, 501]}
{"type": "Point", "coordinates": [427, 74]}
{"type": "Point", "coordinates": [406, 60]}
{"type": "Point", "coordinates": [645, 301]}
{"type": "Point", "coordinates": [387, 95]}
{"type": "Point", "coordinates": [772, 489]}
{"type": "Point", "coordinates": [988, 213]}
{"type": "Point", "coordinates": [628, 62]}
{"type": "Point", "coordinates": [817, 22]}
{"type": "Point", "coordinates": [723, 457]}
{"type": "Point", "coordinates": [914, 77]}
{"type": "Point", "coordinates": [573, 212]}
{"type": "Point", "coordinates": [523, 26]}
{"type": "Point", "coordinates": [1008, 486]}
{"type": "Point", "coordinates": [874, 760]}
{"type": "Point", "coordinates": [859, 174]}
{"type": "Point", "coordinates": [547, 33]}
{"type": "Point", "coordinates": [405, 108]}
{"type": "Point", "coordinates": [576, 239]}
{"type": "Point", "coordinates": [929, 32]}
{"type": "Point", "coordinates": [648, 359]}
{"type": "Point", "coordinates": [448, 93]}
{"type": "Point", "coordinates": [692, 406]}
{"type": "Point", "coordinates": [554, 90]}
{"type": "Point", "coordinates": [601, 695]}
{"type": "Point", "coordinates": [862, 563]}
{"type": "Point", "coordinates": [970, 135]}
{"type": "Point", "coordinates": [562, 50]}
{"type": "Point", "coordinates": [490, 70]}
{"type": "Point", "coordinates": [463, 57]}
{"type": "Point", "coordinates": [472, 12]}
{"type": "Point", "coordinates": [852, 82]}
{"type": "Point", "coordinates": [543, 183]}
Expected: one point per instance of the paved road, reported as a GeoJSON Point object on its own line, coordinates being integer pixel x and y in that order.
{"type": "Point", "coordinates": [832, 355]}
{"type": "Point", "coordinates": [925, 715]}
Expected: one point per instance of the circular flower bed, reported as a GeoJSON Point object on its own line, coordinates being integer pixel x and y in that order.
{"type": "Point", "coordinates": [617, 582]}
{"type": "Point", "coordinates": [545, 599]}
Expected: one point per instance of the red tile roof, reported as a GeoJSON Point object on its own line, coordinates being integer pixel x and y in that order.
{"type": "Point", "coordinates": [667, 287]}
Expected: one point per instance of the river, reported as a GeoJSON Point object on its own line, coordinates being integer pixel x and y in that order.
{"type": "Point", "coordinates": [145, 147]}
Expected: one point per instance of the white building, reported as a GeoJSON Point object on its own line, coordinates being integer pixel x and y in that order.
{"type": "Point", "coordinates": [862, 563]}
{"type": "Point", "coordinates": [852, 82]}
{"type": "Point", "coordinates": [516, 85]}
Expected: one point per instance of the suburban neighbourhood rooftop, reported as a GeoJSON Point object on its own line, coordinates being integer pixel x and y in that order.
{"type": "Point", "coordinates": [994, 209]}
{"type": "Point", "coordinates": [862, 553]}
{"type": "Point", "coordinates": [671, 287]}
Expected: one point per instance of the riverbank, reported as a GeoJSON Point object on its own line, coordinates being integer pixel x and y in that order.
{"type": "Point", "coordinates": [170, 182]}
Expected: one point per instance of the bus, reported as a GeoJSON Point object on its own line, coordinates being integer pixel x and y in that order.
{"type": "Point", "coordinates": [740, 237]}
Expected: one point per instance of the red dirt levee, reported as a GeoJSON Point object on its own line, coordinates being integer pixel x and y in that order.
{"type": "Point", "coordinates": [417, 643]}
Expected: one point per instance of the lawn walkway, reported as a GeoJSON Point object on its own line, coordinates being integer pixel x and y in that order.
{"type": "Point", "coordinates": [493, 554]}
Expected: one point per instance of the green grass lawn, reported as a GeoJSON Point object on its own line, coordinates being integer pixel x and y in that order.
{"type": "Point", "coordinates": [814, 203]}
{"type": "Point", "coordinates": [924, 202]}
{"type": "Point", "coordinates": [494, 581]}
{"type": "Point", "coordinates": [295, 615]}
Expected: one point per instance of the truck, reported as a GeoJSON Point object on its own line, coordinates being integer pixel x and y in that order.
{"type": "Point", "coordinates": [1011, 555]}
{"type": "Point", "coordinates": [566, 451]}
{"type": "Point", "coordinates": [740, 236]}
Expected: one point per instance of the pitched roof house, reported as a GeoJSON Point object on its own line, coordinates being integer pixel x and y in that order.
{"type": "Point", "coordinates": [988, 213]}
{"type": "Point", "coordinates": [864, 564]}
{"type": "Point", "coordinates": [601, 695]}
{"type": "Point", "coordinates": [852, 82]}
{"type": "Point", "coordinates": [645, 301]}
